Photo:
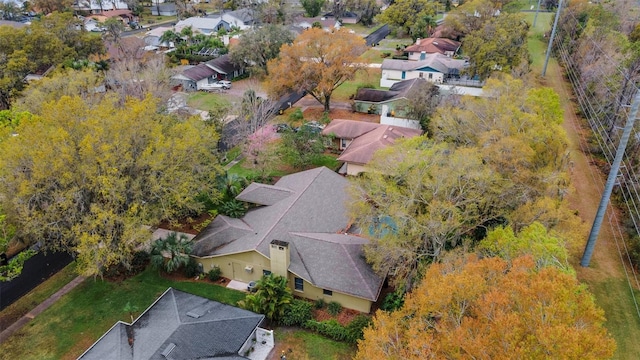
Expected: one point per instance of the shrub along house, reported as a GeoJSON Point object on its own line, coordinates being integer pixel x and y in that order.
{"type": "Point", "coordinates": [299, 229]}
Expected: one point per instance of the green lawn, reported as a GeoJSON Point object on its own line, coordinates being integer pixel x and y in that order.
{"type": "Point", "coordinates": [328, 161]}
{"type": "Point", "coordinates": [72, 324]}
{"type": "Point", "coordinates": [32, 299]}
{"type": "Point", "coordinates": [536, 43]}
{"type": "Point", "coordinates": [373, 56]}
{"type": "Point", "coordinates": [241, 170]}
{"type": "Point", "coordinates": [367, 78]}
{"type": "Point", "coordinates": [361, 29]}
{"type": "Point", "coordinates": [301, 344]}
{"type": "Point", "coordinates": [203, 100]}
{"type": "Point", "coordinates": [613, 295]}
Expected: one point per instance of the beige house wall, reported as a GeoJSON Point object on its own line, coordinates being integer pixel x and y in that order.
{"type": "Point", "coordinates": [235, 266]}
{"type": "Point", "coordinates": [314, 293]}
{"type": "Point", "coordinates": [355, 169]}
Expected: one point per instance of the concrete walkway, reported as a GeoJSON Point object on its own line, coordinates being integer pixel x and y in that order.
{"type": "Point", "coordinates": [6, 333]}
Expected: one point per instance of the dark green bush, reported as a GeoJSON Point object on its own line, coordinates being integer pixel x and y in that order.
{"type": "Point", "coordinates": [330, 328]}
{"type": "Point", "coordinates": [298, 312]}
{"type": "Point", "coordinates": [356, 327]}
{"type": "Point", "coordinates": [319, 304]}
{"type": "Point", "coordinates": [233, 208]}
{"type": "Point", "coordinates": [214, 274]}
{"type": "Point", "coordinates": [334, 308]}
{"type": "Point", "coordinates": [296, 115]}
{"type": "Point", "coordinates": [191, 269]}
{"type": "Point", "coordinates": [393, 301]}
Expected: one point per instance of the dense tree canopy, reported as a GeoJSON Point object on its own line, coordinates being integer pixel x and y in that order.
{"type": "Point", "coordinates": [491, 309]}
{"type": "Point", "coordinates": [499, 45]}
{"type": "Point", "coordinates": [87, 178]}
{"type": "Point", "coordinates": [404, 14]}
{"type": "Point", "coordinates": [259, 45]}
{"type": "Point", "coordinates": [317, 62]}
{"type": "Point", "coordinates": [489, 161]}
{"type": "Point", "coordinates": [47, 42]}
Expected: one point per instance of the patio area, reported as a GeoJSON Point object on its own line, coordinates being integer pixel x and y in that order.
{"type": "Point", "coordinates": [238, 285]}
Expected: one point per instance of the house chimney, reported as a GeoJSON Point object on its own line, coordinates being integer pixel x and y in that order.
{"type": "Point", "coordinates": [280, 258]}
{"type": "Point", "coordinates": [418, 40]}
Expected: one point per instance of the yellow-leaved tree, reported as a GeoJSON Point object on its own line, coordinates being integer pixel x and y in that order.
{"type": "Point", "coordinates": [491, 309]}
{"type": "Point", "coordinates": [86, 178]}
{"type": "Point", "coordinates": [317, 62]}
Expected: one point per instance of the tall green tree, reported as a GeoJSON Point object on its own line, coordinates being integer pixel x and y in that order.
{"type": "Point", "coordinates": [312, 8]}
{"type": "Point", "coordinates": [272, 297]}
{"type": "Point", "coordinates": [499, 45]}
{"type": "Point", "coordinates": [259, 45]}
{"type": "Point", "coordinates": [87, 178]}
{"type": "Point", "coordinates": [404, 14]}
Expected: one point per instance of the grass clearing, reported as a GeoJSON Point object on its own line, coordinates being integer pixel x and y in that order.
{"type": "Point", "coordinates": [329, 161]}
{"type": "Point", "coordinates": [241, 170]}
{"type": "Point", "coordinates": [301, 344]}
{"type": "Point", "coordinates": [22, 306]}
{"type": "Point", "coordinates": [369, 77]}
{"type": "Point", "coordinates": [614, 296]}
{"type": "Point", "coordinates": [206, 101]}
{"type": "Point", "coordinates": [78, 319]}
{"type": "Point", "coordinates": [361, 29]}
{"type": "Point", "coordinates": [536, 43]}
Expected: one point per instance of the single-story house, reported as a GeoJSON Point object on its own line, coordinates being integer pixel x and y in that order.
{"type": "Point", "coordinates": [194, 77]}
{"type": "Point", "coordinates": [206, 26]}
{"type": "Point", "coordinates": [166, 9]}
{"type": "Point", "coordinates": [442, 46]}
{"type": "Point", "coordinates": [179, 325]}
{"type": "Point", "coordinates": [94, 6]}
{"type": "Point", "coordinates": [241, 18]}
{"type": "Point", "coordinates": [298, 228]}
{"type": "Point", "coordinates": [389, 104]}
{"type": "Point", "coordinates": [307, 23]}
{"type": "Point", "coordinates": [436, 68]}
{"type": "Point", "coordinates": [348, 17]}
{"type": "Point", "coordinates": [224, 68]}
{"type": "Point", "coordinates": [363, 140]}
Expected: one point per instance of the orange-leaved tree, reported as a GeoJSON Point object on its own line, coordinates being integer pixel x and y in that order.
{"type": "Point", "coordinates": [491, 309]}
{"type": "Point", "coordinates": [317, 62]}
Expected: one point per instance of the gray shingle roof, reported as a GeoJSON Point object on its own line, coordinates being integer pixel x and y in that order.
{"type": "Point", "coordinates": [218, 333]}
{"type": "Point", "coordinates": [398, 90]}
{"type": "Point", "coordinates": [315, 206]}
{"type": "Point", "coordinates": [436, 61]}
{"type": "Point", "coordinates": [223, 65]}
{"type": "Point", "coordinates": [198, 72]}
{"type": "Point", "coordinates": [262, 194]}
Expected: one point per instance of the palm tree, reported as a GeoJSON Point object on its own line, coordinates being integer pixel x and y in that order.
{"type": "Point", "coordinates": [271, 298]}
{"type": "Point", "coordinates": [178, 249]}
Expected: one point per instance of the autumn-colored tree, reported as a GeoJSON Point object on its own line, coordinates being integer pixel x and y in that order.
{"type": "Point", "coordinates": [87, 178]}
{"type": "Point", "coordinates": [317, 62]}
{"type": "Point", "coordinates": [49, 6]}
{"type": "Point", "coordinates": [472, 15]}
{"type": "Point", "coordinates": [491, 309]}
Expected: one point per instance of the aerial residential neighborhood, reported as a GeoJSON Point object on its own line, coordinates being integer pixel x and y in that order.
{"type": "Point", "coordinates": [319, 179]}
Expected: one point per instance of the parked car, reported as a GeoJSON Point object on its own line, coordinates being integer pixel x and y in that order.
{"type": "Point", "coordinates": [280, 128]}
{"type": "Point", "coordinates": [218, 85]}
{"type": "Point", "coordinates": [135, 25]}
{"type": "Point", "coordinates": [312, 126]}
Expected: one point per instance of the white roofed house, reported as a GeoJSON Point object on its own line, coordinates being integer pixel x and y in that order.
{"type": "Point", "coordinates": [436, 68]}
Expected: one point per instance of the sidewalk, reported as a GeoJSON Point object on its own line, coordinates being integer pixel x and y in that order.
{"type": "Point", "coordinates": [6, 333]}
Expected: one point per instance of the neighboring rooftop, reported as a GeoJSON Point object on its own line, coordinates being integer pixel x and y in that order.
{"type": "Point", "coordinates": [362, 148]}
{"type": "Point", "coordinates": [179, 325]}
{"type": "Point", "coordinates": [398, 90]}
{"type": "Point", "coordinates": [437, 62]}
{"type": "Point", "coordinates": [434, 45]}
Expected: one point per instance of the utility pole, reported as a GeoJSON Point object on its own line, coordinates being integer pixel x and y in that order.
{"type": "Point", "coordinates": [535, 18]}
{"type": "Point", "coordinates": [611, 180]}
{"type": "Point", "coordinates": [553, 35]}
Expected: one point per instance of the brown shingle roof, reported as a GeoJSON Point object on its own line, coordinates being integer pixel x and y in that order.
{"type": "Point", "coordinates": [434, 45]}
{"type": "Point", "coordinates": [199, 72]}
{"type": "Point", "coordinates": [362, 148]}
{"type": "Point", "coordinates": [348, 129]}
